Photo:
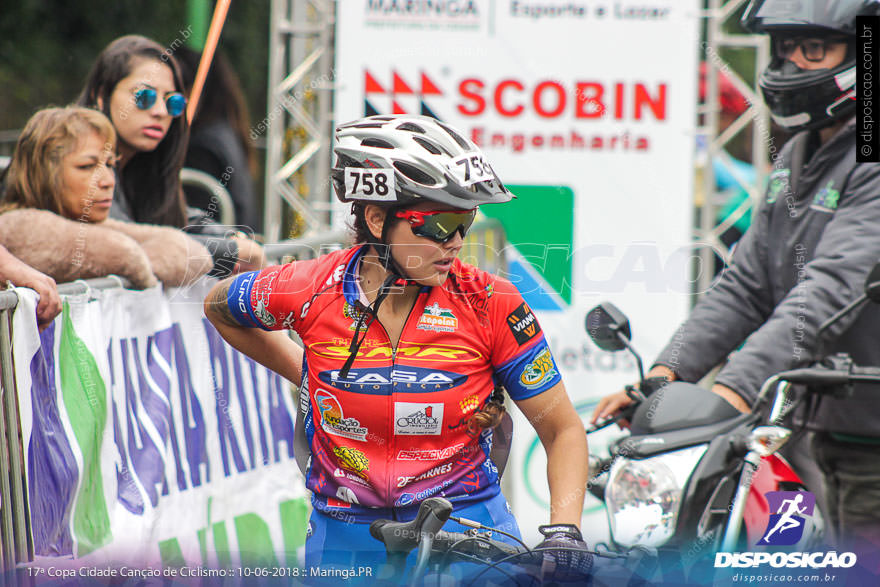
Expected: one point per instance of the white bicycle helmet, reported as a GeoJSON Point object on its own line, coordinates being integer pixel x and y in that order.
{"type": "Point", "coordinates": [428, 160]}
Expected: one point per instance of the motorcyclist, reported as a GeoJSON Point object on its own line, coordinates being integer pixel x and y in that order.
{"type": "Point", "coordinates": [812, 243]}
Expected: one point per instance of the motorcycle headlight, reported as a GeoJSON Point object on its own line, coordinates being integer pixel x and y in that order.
{"type": "Point", "coordinates": [644, 496]}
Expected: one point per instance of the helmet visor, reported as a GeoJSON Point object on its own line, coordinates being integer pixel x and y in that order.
{"type": "Point", "coordinates": [837, 16]}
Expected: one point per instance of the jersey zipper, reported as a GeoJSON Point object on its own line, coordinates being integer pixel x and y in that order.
{"type": "Point", "coordinates": [389, 454]}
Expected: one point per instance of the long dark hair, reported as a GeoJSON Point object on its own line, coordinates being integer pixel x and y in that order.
{"type": "Point", "coordinates": [222, 98]}
{"type": "Point", "coordinates": [151, 179]}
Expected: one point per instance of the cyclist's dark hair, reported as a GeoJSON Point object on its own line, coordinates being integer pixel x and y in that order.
{"type": "Point", "coordinates": [359, 228]}
{"type": "Point", "coordinates": [360, 231]}
{"type": "Point", "coordinates": [489, 416]}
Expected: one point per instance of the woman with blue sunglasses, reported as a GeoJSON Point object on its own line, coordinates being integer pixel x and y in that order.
{"type": "Point", "coordinates": [137, 84]}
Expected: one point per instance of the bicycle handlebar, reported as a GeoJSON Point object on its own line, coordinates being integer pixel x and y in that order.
{"type": "Point", "coordinates": [402, 537]}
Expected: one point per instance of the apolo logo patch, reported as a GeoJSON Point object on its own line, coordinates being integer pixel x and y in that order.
{"type": "Point", "coordinates": [539, 371]}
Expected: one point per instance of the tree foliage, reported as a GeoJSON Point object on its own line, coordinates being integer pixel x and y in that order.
{"type": "Point", "coordinates": [48, 46]}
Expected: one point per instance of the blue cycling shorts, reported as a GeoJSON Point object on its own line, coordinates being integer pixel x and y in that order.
{"type": "Point", "coordinates": [336, 543]}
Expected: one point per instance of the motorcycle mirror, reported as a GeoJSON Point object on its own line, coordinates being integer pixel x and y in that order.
{"type": "Point", "coordinates": [606, 325]}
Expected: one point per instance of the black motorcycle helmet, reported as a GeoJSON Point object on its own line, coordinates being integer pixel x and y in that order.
{"type": "Point", "coordinates": [798, 98]}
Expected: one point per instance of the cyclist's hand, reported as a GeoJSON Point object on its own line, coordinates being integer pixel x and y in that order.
{"type": "Point", "coordinates": [565, 553]}
{"type": "Point", "coordinates": [610, 405]}
{"type": "Point", "coordinates": [251, 256]}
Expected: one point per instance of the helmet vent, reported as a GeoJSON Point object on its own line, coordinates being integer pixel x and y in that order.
{"type": "Point", "coordinates": [461, 142]}
{"type": "Point", "coordinates": [378, 143]}
{"type": "Point", "coordinates": [412, 127]}
{"type": "Point", "coordinates": [431, 148]}
{"type": "Point", "coordinates": [414, 173]}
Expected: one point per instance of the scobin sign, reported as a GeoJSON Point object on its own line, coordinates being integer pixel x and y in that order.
{"type": "Point", "coordinates": [587, 113]}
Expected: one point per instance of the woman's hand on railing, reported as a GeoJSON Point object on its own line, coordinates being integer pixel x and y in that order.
{"type": "Point", "coordinates": [49, 305]}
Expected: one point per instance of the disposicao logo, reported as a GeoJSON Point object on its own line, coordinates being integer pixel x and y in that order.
{"type": "Point", "coordinates": [785, 528]}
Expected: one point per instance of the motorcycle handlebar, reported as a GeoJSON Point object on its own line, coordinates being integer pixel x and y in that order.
{"type": "Point", "coordinates": [824, 376]}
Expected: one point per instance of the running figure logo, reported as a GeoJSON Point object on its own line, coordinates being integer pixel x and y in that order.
{"type": "Point", "coordinates": [786, 526]}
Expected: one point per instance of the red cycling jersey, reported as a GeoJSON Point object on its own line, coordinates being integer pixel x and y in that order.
{"type": "Point", "coordinates": [395, 431]}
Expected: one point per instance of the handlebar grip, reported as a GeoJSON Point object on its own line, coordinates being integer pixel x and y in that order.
{"type": "Point", "coordinates": [402, 537]}
{"type": "Point", "coordinates": [815, 376]}
{"type": "Point", "coordinates": [376, 529]}
{"type": "Point", "coordinates": [866, 373]}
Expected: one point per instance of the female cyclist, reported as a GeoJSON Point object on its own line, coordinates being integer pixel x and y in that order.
{"type": "Point", "coordinates": [136, 83]}
{"type": "Point", "coordinates": [406, 350]}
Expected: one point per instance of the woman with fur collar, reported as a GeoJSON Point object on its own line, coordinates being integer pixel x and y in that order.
{"type": "Point", "coordinates": [59, 190]}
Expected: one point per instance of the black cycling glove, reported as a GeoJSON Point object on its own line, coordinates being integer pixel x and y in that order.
{"type": "Point", "coordinates": [565, 553]}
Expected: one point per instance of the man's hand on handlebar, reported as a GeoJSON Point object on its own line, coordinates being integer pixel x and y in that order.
{"type": "Point", "coordinates": [732, 397]}
{"type": "Point", "coordinates": [612, 404]}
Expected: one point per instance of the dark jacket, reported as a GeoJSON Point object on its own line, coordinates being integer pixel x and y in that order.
{"type": "Point", "coordinates": [812, 243]}
{"type": "Point", "coordinates": [215, 149]}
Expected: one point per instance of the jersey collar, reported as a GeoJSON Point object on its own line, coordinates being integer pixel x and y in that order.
{"type": "Point", "coordinates": [351, 286]}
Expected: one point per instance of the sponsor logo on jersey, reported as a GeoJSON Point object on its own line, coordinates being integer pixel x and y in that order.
{"type": "Point", "coordinates": [381, 352]}
{"type": "Point", "coordinates": [336, 276]}
{"type": "Point", "coordinates": [262, 291]}
{"type": "Point", "coordinates": [333, 421]}
{"type": "Point", "coordinates": [539, 371]}
{"type": "Point", "coordinates": [352, 313]}
{"type": "Point", "coordinates": [438, 470]}
{"type": "Point", "coordinates": [469, 404]}
{"type": "Point", "coordinates": [431, 454]}
{"type": "Point", "coordinates": [473, 429]}
{"type": "Point", "coordinates": [289, 320]}
{"type": "Point", "coordinates": [407, 379]}
{"type": "Point", "coordinates": [243, 290]}
{"type": "Point", "coordinates": [437, 319]}
{"type": "Point", "coordinates": [523, 324]}
{"type": "Point", "coordinates": [347, 494]}
{"type": "Point", "coordinates": [352, 459]}
{"type": "Point", "coordinates": [340, 474]}
{"type": "Point", "coordinates": [418, 419]}
{"type": "Point", "coordinates": [337, 503]}
{"type": "Point", "coordinates": [404, 500]}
